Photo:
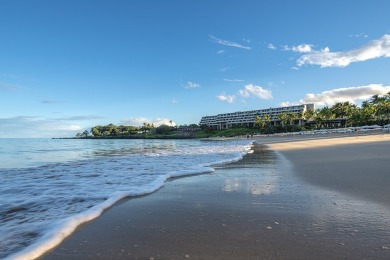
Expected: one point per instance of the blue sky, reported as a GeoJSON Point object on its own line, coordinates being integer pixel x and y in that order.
{"type": "Point", "coordinates": [66, 66]}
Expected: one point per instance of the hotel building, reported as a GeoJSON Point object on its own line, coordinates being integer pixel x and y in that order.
{"type": "Point", "coordinates": [248, 118]}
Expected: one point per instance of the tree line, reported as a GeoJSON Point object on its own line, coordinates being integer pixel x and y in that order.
{"type": "Point", "coordinates": [375, 110]}
{"type": "Point", "coordinates": [112, 130]}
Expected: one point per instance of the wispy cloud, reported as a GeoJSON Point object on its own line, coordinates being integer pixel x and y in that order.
{"type": "Point", "coordinates": [227, 98]}
{"type": "Point", "coordinates": [271, 46]}
{"type": "Point", "coordinates": [326, 58]}
{"type": "Point", "coordinates": [50, 101]}
{"type": "Point", "coordinates": [350, 94]}
{"type": "Point", "coordinates": [233, 80]}
{"type": "Point", "coordinates": [139, 121]}
{"type": "Point", "coordinates": [256, 91]}
{"type": "Point", "coordinates": [36, 126]}
{"type": "Point", "coordinates": [10, 87]}
{"type": "Point", "coordinates": [191, 85]}
{"type": "Point", "coordinates": [228, 43]}
{"type": "Point", "coordinates": [79, 118]}
{"type": "Point", "coordinates": [220, 52]}
{"type": "Point", "coordinates": [359, 35]}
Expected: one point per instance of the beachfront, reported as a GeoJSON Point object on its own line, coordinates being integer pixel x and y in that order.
{"type": "Point", "coordinates": [295, 197]}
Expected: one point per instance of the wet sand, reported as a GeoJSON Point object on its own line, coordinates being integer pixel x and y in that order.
{"type": "Point", "coordinates": [356, 165]}
{"type": "Point", "coordinates": [301, 202]}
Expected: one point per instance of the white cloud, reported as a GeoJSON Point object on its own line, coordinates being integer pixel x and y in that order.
{"type": "Point", "coordinates": [227, 98]}
{"type": "Point", "coordinates": [139, 121]}
{"type": "Point", "coordinates": [271, 46]}
{"type": "Point", "coordinates": [303, 48]}
{"type": "Point", "coordinates": [228, 43]}
{"type": "Point", "coordinates": [350, 94]}
{"type": "Point", "coordinates": [326, 58]}
{"type": "Point", "coordinates": [191, 85]}
{"type": "Point", "coordinates": [288, 104]}
{"type": "Point", "coordinates": [221, 52]}
{"type": "Point", "coordinates": [257, 91]}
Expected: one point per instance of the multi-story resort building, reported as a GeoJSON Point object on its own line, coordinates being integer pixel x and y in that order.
{"type": "Point", "coordinates": [248, 118]}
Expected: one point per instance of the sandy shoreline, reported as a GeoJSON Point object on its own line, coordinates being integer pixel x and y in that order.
{"type": "Point", "coordinates": [325, 198]}
{"type": "Point", "coordinates": [356, 165]}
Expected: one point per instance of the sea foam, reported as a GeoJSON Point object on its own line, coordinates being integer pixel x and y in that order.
{"type": "Point", "coordinates": [45, 204]}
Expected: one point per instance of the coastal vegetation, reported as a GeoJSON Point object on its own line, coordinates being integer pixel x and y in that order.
{"type": "Point", "coordinates": [375, 110]}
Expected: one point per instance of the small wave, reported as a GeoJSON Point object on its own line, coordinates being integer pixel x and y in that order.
{"type": "Point", "coordinates": [66, 195]}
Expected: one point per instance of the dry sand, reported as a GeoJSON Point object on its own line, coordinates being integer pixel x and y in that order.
{"type": "Point", "coordinates": [328, 200]}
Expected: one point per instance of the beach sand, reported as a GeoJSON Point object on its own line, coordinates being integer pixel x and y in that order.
{"type": "Point", "coordinates": [290, 199]}
{"type": "Point", "coordinates": [357, 165]}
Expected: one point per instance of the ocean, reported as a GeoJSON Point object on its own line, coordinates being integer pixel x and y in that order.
{"type": "Point", "coordinates": [48, 187]}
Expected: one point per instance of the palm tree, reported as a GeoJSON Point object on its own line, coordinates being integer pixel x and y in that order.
{"type": "Point", "coordinates": [291, 117]}
{"type": "Point", "coordinates": [309, 114]}
{"type": "Point", "coordinates": [367, 113]}
{"type": "Point", "coordinates": [301, 117]}
{"type": "Point", "coordinates": [385, 110]}
{"type": "Point", "coordinates": [319, 118]}
{"type": "Point", "coordinates": [382, 106]}
{"type": "Point", "coordinates": [267, 119]}
{"type": "Point", "coordinates": [260, 121]}
{"type": "Point", "coordinates": [283, 117]}
{"type": "Point", "coordinates": [343, 109]}
{"type": "Point", "coordinates": [326, 113]}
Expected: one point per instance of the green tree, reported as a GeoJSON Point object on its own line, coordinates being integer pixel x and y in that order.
{"type": "Point", "coordinates": [309, 114]}
{"type": "Point", "coordinates": [301, 117]}
{"type": "Point", "coordinates": [291, 118]}
{"type": "Point", "coordinates": [283, 118]}
{"type": "Point", "coordinates": [96, 130]}
{"type": "Point", "coordinates": [319, 118]}
{"type": "Point", "coordinates": [326, 114]}
{"type": "Point", "coordinates": [147, 127]}
{"type": "Point", "coordinates": [267, 119]}
{"type": "Point", "coordinates": [163, 129]}
{"type": "Point", "coordinates": [382, 106]}
{"type": "Point", "coordinates": [343, 109]}
{"type": "Point", "coordinates": [366, 113]}
{"type": "Point", "coordinates": [260, 122]}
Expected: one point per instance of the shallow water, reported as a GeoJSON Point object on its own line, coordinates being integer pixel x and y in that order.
{"type": "Point", "coordinates": [49, 187]}
{"type": "Point", "coordinates": [255, 208]}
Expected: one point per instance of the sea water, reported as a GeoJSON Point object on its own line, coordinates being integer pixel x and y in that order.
{"type": "Point", "coordinates": [49, 187]}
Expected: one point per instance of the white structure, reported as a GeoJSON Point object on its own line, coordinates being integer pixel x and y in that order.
{"type": "Point", "coordinates": [248, 118]}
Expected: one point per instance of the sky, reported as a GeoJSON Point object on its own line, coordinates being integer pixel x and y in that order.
{"type": "Point", "coordinates": [68, 65]}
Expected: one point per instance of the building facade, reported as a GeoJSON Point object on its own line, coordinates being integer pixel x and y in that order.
{"type": "Point", "coordinates": [248, 118]}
